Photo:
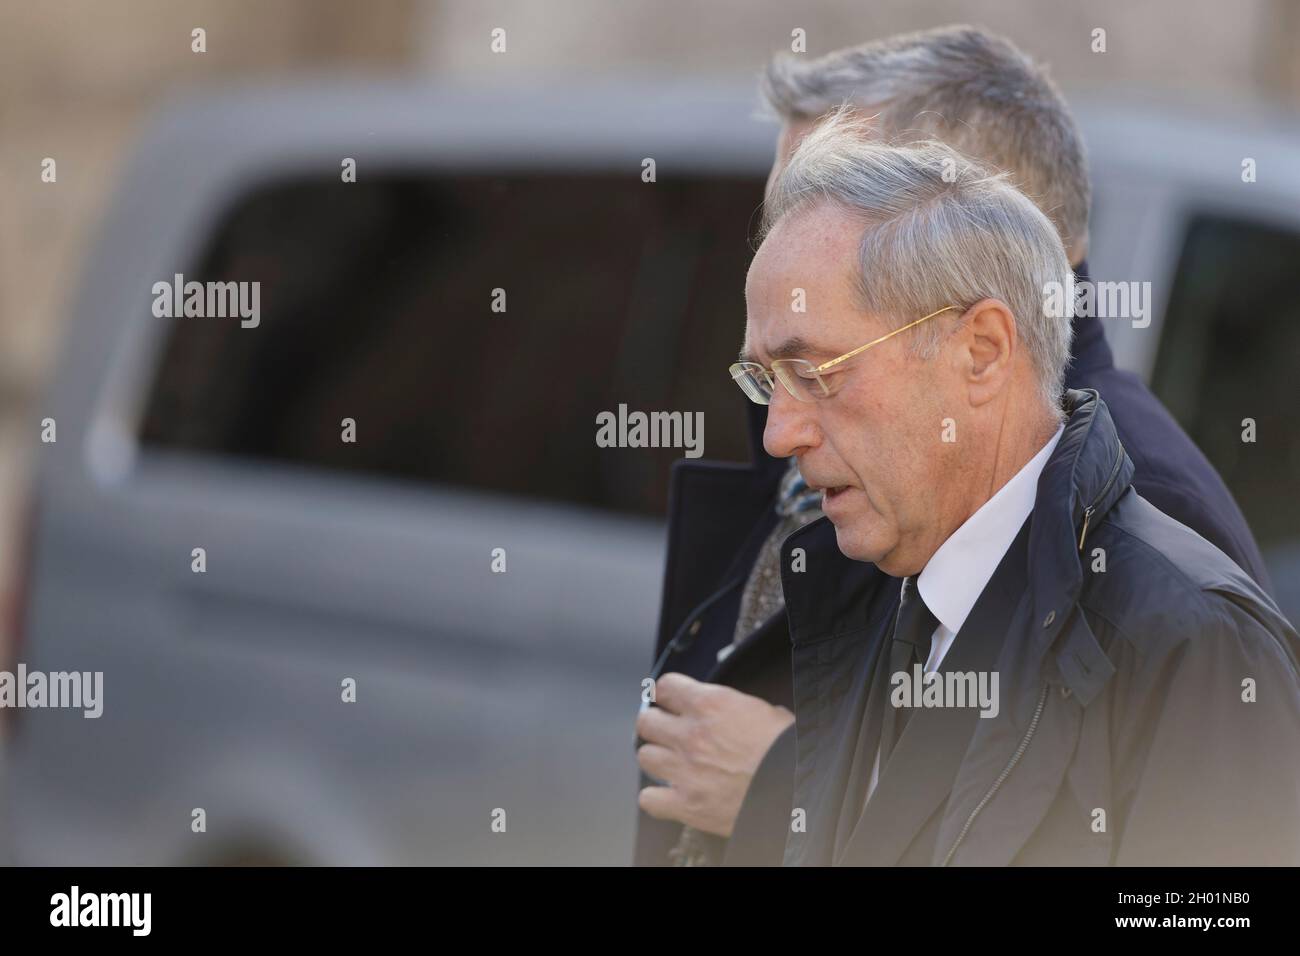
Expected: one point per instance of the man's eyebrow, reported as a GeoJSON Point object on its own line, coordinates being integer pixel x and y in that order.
{"type": "Point", "coordinates": [795, 347]}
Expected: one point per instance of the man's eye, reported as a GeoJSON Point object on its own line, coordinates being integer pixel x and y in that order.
{"type": "Point", "coordinates": [832, 380]}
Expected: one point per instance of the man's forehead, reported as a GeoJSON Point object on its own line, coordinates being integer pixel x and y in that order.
{"type": "Point", "coordinates": [811, 253]}
{"type": "Point", "coordinates": [779, 327]}
{"type": "Point", "coordinates": [818, 235]}
{"type": "Point", "coordinates": [801, 288]}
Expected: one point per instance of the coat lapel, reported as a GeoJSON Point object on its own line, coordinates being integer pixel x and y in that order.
{"type": "Point", "coordinates": [864, 755]}
{"type": "Point", "coordinates": [1006, 823]}
{"type": "Point", "coordinates": [920, 773]}
{"type": "Point", "coordinates": [837, 610]}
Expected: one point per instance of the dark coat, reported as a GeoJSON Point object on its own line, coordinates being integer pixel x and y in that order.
{"type": "Point", "coordinates": [1123, 735]}
{"type": "Point", "coordinates": [1169, 470]}
{"type": "Point", "coordinates": [718, 517]}
{"type": "Point", "coordinates": [719, 514]}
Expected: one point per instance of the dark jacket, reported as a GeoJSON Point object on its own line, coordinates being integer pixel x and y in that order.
{"type": "Point", "coordinates": [1169, 470]}
{"type": "Point", "coordinates": [719, 514]}
{"type": "Point", "coordinates": [718, 517]}
{"type": "Point", "coordinates": [1149, 706]}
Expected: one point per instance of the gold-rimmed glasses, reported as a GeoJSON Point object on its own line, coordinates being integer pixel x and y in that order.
{"type": "Point", "coordinates": [801, 378]}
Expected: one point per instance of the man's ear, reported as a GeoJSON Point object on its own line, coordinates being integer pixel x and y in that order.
{"type": "Point", "coordinates": [989, 342]}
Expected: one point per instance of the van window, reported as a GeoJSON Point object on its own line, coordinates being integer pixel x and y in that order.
{"type": "Point", "coordinates": [377, 305]}
{"type": "Point", "coordinates": [1228, 352]}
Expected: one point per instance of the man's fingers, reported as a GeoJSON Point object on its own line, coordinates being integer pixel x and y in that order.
{"type": "Point", "coordinates": [675, 692]}
{"type": "Point", "coordinates": [662, 803]}
{"type": "Point", "coordinates": [659, 762]}
{"type": "Point", "coordinates": [659, 726]}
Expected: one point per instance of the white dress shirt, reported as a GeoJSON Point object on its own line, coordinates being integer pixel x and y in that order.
{"type": "Point", "coordinates": [956, 575]}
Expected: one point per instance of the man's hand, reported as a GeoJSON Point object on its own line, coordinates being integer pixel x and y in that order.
{"type": "Point", "coordinates": [706, 741]}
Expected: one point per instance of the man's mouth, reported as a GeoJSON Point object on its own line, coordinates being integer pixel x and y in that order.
{"type": "Point", "coordinates": [830, 492]}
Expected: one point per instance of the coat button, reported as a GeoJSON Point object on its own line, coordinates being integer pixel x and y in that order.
{"type": "Point", "coordinates": [1047, 621]}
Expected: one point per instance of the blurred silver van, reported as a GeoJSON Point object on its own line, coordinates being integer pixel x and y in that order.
{"type": "Point", "coordinates": [362, 585]}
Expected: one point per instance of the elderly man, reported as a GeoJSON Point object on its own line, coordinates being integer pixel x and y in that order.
{"type": "Point", "coordinates": [723, 643]}
{"type": "Point", "coordinates": [1066, 675]}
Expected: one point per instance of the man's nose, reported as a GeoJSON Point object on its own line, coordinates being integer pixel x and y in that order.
{"type": "Point", "coordinates": [790, 428]}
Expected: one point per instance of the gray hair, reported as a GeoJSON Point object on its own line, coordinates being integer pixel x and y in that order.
{"type": "Point", "coordinates": [938, 229]}
{"type": "Point", "coordinates": [961, 85]}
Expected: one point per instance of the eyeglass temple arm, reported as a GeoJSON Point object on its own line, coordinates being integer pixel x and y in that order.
{"type": "Point", "coordinates": [848, 355]}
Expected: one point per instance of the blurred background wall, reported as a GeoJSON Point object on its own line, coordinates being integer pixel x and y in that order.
{"type": "Point", "coordinates": [77, 77]}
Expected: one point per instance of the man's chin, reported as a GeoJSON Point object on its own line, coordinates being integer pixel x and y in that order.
{"type": "Point", "coordinates": [858, 545]}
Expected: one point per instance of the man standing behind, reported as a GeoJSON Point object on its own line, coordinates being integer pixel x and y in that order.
{"type": "Point", "coordinates": [723, 643]}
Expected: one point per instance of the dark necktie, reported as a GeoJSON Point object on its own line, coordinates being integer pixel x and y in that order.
{"type": "Point", "coordinates": [910, 645]}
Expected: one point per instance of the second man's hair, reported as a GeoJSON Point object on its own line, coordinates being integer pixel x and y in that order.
{"type": "Point", "coordinates": [965, 87]}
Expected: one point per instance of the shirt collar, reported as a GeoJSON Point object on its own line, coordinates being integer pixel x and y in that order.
{"type": "Point", "coordinates": [958, 572]}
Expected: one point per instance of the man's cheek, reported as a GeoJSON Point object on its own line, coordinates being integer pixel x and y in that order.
{"type": "Point", "coordinates": [845, 438]}
{"type": "Point", "coordinates": [863, 465]}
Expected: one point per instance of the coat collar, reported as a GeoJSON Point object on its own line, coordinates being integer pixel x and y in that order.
{"type": "Point", "coordinates": [1086, 475]}
{"type": "Point", "coordinates": [959, 571]}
